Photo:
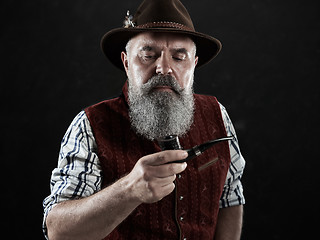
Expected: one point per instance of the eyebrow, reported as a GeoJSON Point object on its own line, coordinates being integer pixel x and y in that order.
{"type": "Point", "coordinates": [181, 50]}
{"type": "Point", "coordinates": [148, 48]}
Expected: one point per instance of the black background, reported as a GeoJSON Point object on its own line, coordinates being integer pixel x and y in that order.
{"type": "Point", "coordinates": [266, 76]}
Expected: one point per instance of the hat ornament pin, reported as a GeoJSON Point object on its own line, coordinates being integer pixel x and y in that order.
{"type": "Point", "coordinates": [128, 23]}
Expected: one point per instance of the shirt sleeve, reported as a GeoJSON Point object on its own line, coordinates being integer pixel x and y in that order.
{"type": "Point", "coordinates": [78, 173]}
{"type": "Point", "coordinates": [232, 194]}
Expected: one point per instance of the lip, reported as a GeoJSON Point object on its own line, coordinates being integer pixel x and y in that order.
{"type": "Point", "coordinates": [163, 88]}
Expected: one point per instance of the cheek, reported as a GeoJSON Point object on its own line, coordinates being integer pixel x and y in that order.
{"type": "Point", "coordinates": [135, 76]}
{"type": "Point", "coordinates": [138, 73]}
{"type": "Point", "coordinates": [185, 77]}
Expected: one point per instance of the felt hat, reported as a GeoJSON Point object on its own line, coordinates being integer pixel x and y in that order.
{"type": "Point", "coordinates": [166, 16]}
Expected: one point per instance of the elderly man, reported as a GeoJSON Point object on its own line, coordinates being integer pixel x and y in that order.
{"type": "Point", "coordinates": [112, 179]}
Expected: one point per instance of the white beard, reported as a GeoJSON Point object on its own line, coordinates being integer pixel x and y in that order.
{"type": "Point", "coordinates": [156, 114]}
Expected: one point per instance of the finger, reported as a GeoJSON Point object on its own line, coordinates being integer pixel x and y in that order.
{"type": "Point", "coordinates": [164, 157]}
{"type": "Point", "coordinates": [166, 170]}
{"type": "Point", "coordinates": [158, 183]}
{"type": "Point", "coordinates": [162, 192]}
{"type": "Point", "coordinates": [165, 181]}
{"type": "Point", "coordinates": [168, 189]}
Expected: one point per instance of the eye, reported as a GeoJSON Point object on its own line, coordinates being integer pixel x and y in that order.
{"type": "Point", "coordinates": [148, 57]}
{"type": "Point", "coordinates": [179, 57]}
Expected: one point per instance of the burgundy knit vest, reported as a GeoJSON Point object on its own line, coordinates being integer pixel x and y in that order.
{"type": "Point", "coordinates": [191, 210]}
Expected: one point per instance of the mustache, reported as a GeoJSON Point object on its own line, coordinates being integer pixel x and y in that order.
{"type": "Point", "coordinates": [162, 80]}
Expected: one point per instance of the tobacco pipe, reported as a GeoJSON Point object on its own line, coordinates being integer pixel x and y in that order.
{"type": "Point", "coordinates": [172, 143]}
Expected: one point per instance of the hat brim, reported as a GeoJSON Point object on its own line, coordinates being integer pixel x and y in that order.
{"type": "Point", "coordinates": [115, 41]}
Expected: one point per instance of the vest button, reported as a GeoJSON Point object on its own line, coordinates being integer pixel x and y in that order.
{"type": "Point", "coordinates": [179, 176]}
{"type": "Point", "coordinates": [184, 238]}
{"type": "Point", "coordinates": [181, 219]}
{"type": "Point", "coordinates": [181, 198]}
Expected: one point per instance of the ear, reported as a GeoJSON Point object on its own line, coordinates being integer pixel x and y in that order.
{"type": "Point", "coordinates": [196, 61]}
{"type": "Point", "coordinates": [124, 59]}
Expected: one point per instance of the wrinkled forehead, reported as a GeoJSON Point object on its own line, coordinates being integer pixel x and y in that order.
{"type": "Point", "coordinates": [169, 40]}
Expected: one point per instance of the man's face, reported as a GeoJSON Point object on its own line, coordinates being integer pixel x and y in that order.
{"type": "Point", "coordinates": [150, 54]}
{"type": "Point", "coordinates": [160, 71]}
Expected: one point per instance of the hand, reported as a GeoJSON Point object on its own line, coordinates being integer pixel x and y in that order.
{"type": "Point", "coordinates": [153, 175]}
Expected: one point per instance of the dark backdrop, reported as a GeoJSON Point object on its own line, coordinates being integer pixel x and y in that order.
{"type": "Point", "coordinates": [266, 75]}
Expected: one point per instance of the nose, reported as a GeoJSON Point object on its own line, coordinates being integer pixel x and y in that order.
{"type": "Point", "coordinates": [163, 65]}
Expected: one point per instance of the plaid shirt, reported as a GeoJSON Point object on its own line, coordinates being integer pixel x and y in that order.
{"type": "Point", "coordinates": [78, 173]}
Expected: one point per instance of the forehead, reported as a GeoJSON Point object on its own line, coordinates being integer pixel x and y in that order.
{"type": "Point", "coordinates": [161, 40]}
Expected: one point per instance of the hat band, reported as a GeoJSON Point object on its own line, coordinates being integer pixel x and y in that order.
{"type": "Point", "coordinates": [164, 24]}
